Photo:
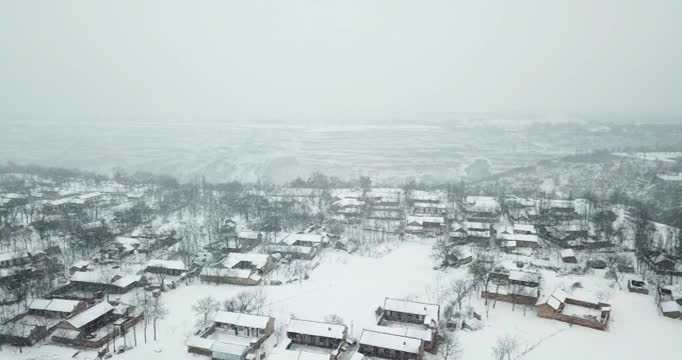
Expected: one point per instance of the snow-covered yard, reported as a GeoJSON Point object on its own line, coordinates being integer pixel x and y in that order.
{"type": "Point", "coordinates": [353, 286]}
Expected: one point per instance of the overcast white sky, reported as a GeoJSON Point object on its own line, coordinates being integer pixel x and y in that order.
{"type": "Point", "coordinates": [265, 60]}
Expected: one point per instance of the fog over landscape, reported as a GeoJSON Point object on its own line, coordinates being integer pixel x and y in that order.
{"type": "Point", "coordinates": [340, 179]}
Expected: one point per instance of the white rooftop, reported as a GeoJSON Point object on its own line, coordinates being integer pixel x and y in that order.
{"type": "Point", "coordinates": [258, 260]}
{"type": "Point", "coordinates": [430, 311]}
{"type": "Point", "coordinates": [167, 264]}
{"type": "Point", "coordinates": [317, 328]}
{"type": "Point", "coordinates": [241, 319]}
{"type": "Point", "coordinates": [422, 334]}
{"type": "Point", "coordinates": [89, 315]}
{"type": "Point", "coordinates": [389, 341]}
{"type": "Point", "coordinates": [293, 238]}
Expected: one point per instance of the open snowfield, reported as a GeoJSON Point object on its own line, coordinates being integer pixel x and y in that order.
{"type": "Point", "coordinates": [352, 286]}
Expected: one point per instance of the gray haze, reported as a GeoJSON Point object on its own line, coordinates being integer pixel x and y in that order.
{"type": "Point", "coordinates": [350, 60]}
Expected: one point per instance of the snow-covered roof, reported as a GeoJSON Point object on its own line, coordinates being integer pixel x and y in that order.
{"type": "Point", "coordinates": [519, 237]}
{"type": "Point", "coordinates": [241, 319]}
{"type": "Point", "coordinates": [251, 235]}
{"type": "Point", "coordinates": [89, 277]}
{"type": "Point", "coordinates": [200, 343]}
{"type": "Point", "coordinates": [664, 177]}
{"type": "Point", "coordinates": [293, 238]}
{"type": "Point", "coordinates": [230, 273]}
{"type": "Point", "coordinates": [305, 250]}
{"type": "Point", "coordinates": [389, 341]}
{"type": "Point", "coordinates": [477, 225]}
{"type": "Point", "coordinates": [670, 306]}
{"type": "Point", "coordinates": [525, 228]}
{"type": "Point", "coordinates": [565, 253]}
{"type": "Point", "coordinates": [283, 354]}
{"type": "Point", "coordinates": [56, 305]}
{"type": "Point", "coordinates": [317, 328]}
{"type": "Point", "coordinates": [428, 205]}
{"type": "Point", "coordinates": [167, 264]}
{"type": "Point", "coordinates": [554, 300]}
{"type": "Point", "coordinates": [428, 219]}
{"type": "Point", "coordinates": [80, 264]}
{"type": "Point", "coordinates": [422, 334]}
{"type": "Point", "coordinates": [258, 260]}
{"type": "Point", "coordinates": [524, 276]}
{"type": "Point", "coordinates": [420, 195]}
{"type": "Point", "coordinates": [13, 255]}
{"type": "Point", "coordinates": [346, 202]}
{"type": "Point", "coordinates": [90, 195]}
{"type": "Point", "coordinates": [89, 315]}
{"type": "Point", "coordinates": [127, 280]}
{"type": "Point", "coordinates": [228, 348]}
{"type": "Point", "coordinates": [430, 311]}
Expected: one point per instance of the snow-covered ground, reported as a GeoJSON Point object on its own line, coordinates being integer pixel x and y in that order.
{"type": "Point", "coordinates": [353, 286]}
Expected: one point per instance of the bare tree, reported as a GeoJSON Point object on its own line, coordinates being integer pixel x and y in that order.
{"type": "Point", "coordinates": [506, 347]}
{"type": "Point", "coordinates": [460, 288]}
{"type": "Point", "coordinates": [246, 302]}
{"type": "Point", "coordinates": [157, 312]}
{"type": "Point", "coordinates": [450, 348]}
{"type": "Point", "coordinates": [205, 307]}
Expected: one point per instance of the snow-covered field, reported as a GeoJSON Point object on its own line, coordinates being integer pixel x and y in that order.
{"type": "Point", "coordinates": [352, 286]}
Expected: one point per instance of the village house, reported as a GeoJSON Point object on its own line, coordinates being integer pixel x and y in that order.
{"type": "Point", "coordinates": [80, 265]}
{"type": "Point", "coordinates": [423, 224]}
{"type": "Point", "coordinates": [412, 312]}
{"type": "Point", "coordinates": [284, 354]}
{"type": "Point", "coordinates": [638, 286]}
{"type": "Point", "coordinates": [247, 240]}
{"type": "Point", "coordinates": [293, 252]}
{"type": "Point", "coordinates": [11, 259]}
{"type": "Point", "coordinates": [72, 331]}
{"type": "Point", "coordinates": [234, 335]}
{"type": "Point", "coordinates": [56, 308]}
{"type": "Point", "coordinates": [457, 234]}
{"type": "Point", "coordinates": [425, 335]}
{"type": "Point", "coordinates": [260, 263]}
{"type": "Point", "coordinates": [315, 333]}
{"type": "Point", "coordinates": [568, 256]}
{"type": "Point", "coordinates": [478, 231]}
{"type": "Point", "coordinates": [481, 208]}
{"type": "Point", "coordinates": [221, 275]}
{"type": "Point", "coordinates": [424, 197]}
{"type": "Point", "coordinates": [306, 240]}
{"type": "Point", "coordinates": [526, 229]}
{"type": "Point", "coordinates": [559, 306]}
{"type": "Point", "coordinates": [429, 209]}
{"type": "Point", "coordinates": [516, 287]}
{"type": "Point", "coordinates": [166, 267]}
{"type": "Point", "coordinates": [671, 309]}
{"type": "Point", "coordinates": [39, 321]}
{"type": "Point", "coordinates": [348, 206]}
{"type": "Point", "coordinates": [518, 240]}
{"type": "Point", "coordinates": [389, 346]}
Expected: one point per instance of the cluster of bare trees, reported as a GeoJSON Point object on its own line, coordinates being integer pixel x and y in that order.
{"type": "Point", "coordinates": [249, 302]}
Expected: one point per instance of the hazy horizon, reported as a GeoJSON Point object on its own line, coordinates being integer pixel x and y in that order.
{"type": "Point", "coordinates": [312, 61]}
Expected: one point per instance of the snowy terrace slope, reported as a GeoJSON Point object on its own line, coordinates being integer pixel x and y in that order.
{"type": "Point", "coordinates": [352, 287]}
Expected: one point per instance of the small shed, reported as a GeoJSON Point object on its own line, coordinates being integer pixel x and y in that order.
{"type": "Point", "coordinates": [671, 309]}
{"type": "Point", "coordinates": [568, 256]}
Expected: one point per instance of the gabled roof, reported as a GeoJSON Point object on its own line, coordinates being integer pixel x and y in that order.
{"type": "Point", "coordinates": [316, 328]}
{"type": "Point", "coordinates": [430, 311]}
{"type": "Point", "coordinates": [422, 334]}
{"type": "Point", "coordinates": [127, 280]}
{"type": "Point", "coordinates": [565, 253]}
{"type": "Point", "coordinates": [89, 277]}
{"type": "Point", "coordinates": [258, 260]}
{"type": "Point", "coordinates": [389, 341]}
{"type": "Point", "coordinates": [56, 305]}
{"type": "Point", "coordinates": [293, 238]}
{"type": "Point", "coordinates": [167, 264]}
{"type": "Point", "coordinates": [89, 315]}
{"type": "Point", "coordinates": [228, 348]}
{"type": "Point", "coordinates": [241, 319]}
